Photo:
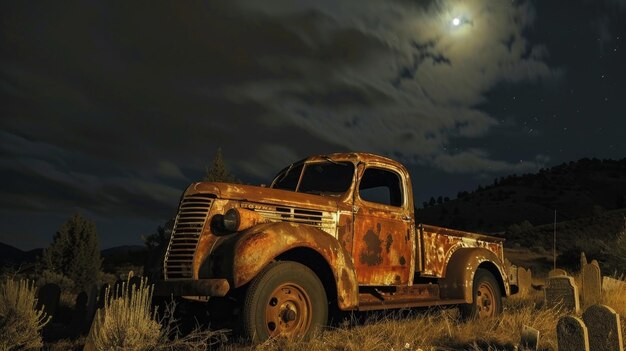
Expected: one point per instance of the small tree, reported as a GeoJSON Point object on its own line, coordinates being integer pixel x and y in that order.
{"type": "Point", "coordinates": [218, 171]}
{"type": "Point", "coordinates": [157, 245]}
{"type": "Point", "coordinates": [75, 252]}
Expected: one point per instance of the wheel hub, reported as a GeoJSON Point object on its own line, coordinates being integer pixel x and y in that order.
{"type": "Point", "coordinates": [289, 315]}
{"type": "Point", "coordinates": [288, 311]}
{"type": "Point", "coordinates": [484, 300]}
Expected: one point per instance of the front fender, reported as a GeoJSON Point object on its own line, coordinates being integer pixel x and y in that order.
{"type": "Point", "coordinates": [459, 276]}
{"type": "Point", "coordinates": [241, 256]}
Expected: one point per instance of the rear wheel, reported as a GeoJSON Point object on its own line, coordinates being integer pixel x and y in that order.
{"type": "Point", "coordinates": [487, 297]}
{"type": "Point", "coordinates": [285, 300]}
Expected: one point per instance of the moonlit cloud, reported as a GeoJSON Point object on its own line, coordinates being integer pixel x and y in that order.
{"type": "Point", "coordinates": [115, 107]}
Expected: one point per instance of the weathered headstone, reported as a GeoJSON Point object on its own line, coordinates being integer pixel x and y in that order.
{"type": "Point", "coordinates": [524, 281]}
{"type": "Point", "coordinates": [610, 284]}
{"type": "Point", "coordinates": [78, 325]}
{"type": "Point", "coordinates": [556, 272]}
{"type": "Point", "coordinates": [591, 281]}
{"type": "Point", "coordinates": [605, 331]}
{"type": "Point", "coordinates": [116, 290]}
{"type": "Point", "coordinates": [572, 334]}
{"type": "Point", "coordinates": [530, 338]}
{"type": "Point", "coordinates": [134, 283]}
{"type": "Point", "coordinates": [104, 290]}
{"type": "Point", "coordinates": [511, 271]}
{"type": "Point", "coordinates": [562, 291]}
{"type": "Point", "coordinates": [48, 297]}
{"type": "Point", "coordinates": [92, 302]}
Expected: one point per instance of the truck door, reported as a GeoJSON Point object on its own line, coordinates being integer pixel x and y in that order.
{"type": "Point", "coordinates": [383, 244]}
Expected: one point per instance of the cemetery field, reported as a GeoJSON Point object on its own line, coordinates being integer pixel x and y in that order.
{"type": "Point", "coordinates": [441, 329]}
{"type": "Point", "coordinates": [424, 329]}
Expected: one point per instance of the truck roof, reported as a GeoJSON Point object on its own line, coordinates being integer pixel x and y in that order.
{"type": "Point", "coordinates": [354, 157]}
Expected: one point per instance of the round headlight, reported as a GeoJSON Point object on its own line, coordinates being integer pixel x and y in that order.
{"type": "Point", "coordinates": [231, 220]}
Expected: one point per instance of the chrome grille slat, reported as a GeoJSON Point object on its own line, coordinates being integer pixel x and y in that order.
{"type": "Point", "coordinates": [320, 219]}
{"type": "Point", "coordinates": [191, 218]}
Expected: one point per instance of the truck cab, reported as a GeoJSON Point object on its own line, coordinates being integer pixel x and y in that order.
{"type": "Point", "coordinates": [331, 231]}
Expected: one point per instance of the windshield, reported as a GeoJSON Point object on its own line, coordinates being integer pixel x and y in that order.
{"type": "Point", "coordinates": [321, 178]}
{"type": "Point", "coordinates": [288, 178]}
{"type": "Point", "coordinates": [326, 178]}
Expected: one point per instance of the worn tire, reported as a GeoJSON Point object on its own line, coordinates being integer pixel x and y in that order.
{"type": "Point", "coordinates": [487, 297]}
{"type": "Point", "coordinates": [285, 300]}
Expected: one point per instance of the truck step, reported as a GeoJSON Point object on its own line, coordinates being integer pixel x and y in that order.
{"type": "Point", "coordinates": [418, 295]}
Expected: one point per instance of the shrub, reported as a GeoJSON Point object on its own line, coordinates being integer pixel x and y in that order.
{"type": "Point", "coordinates": [49, 277]}
{"type": "Point", "coordinates": [20, 322]}
{"type": "Point", "coordinates": [126, 321]}
{"type": "Point", "coordinates": [74, 252]}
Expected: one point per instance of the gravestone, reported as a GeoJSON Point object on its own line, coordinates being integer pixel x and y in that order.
{"type": "Point", "coordinates": [562, 291]}
{"type": "Point", "coordinates": [78, 325]}
{"type": "Point", "coordinates": [104, 291]}
{"type": "Point", "coordinates": [556, 272]}
{"type": "Point", "coordinates": [610, 284]}
{"type": "Point", "coordinates": [572, 334]}
{"type": "Point", "coordinates": [134, 283]}
{"type": "Point", "coordinates": [116, 290]}
{"type": "Point", "coordinates": [524, 281]}
{"type": "Point", "coordinates": [48, 298]}
{"type": "Point", "coordinates": [530, 338]}
{"type": "Point", "coordinates": [92, 302]}
{"type": "Point", "coordinates": [591, 281]}
{"type": "Point", "coordinates": [511, 271]}
{"type": "Point", "coordinates": [605, 331]}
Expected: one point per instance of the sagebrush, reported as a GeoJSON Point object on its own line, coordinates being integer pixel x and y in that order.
{"type": "Point", "coordinates": [126, 322]}
{"type": "Point", "coordinates": [20, 321]}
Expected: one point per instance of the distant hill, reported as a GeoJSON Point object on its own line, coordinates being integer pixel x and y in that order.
{"type": "Point", "coordinates": [10, 255]}
{"type": "Point", "coordinates": [584, 188]}
{"type": "Point", "coordinates": [135, 254]}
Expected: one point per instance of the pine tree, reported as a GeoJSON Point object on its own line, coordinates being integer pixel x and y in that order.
{"type": "Point", "coordinates": [75, 252]}
{"type": "Point", "coordinates": [218, 171]}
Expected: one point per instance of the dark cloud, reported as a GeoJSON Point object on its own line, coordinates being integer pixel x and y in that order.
{"type": "Point", "coordinates": [114, 107]}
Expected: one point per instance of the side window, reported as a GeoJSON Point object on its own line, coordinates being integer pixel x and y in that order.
{"type": "Point", "coordinates": [381, 186]}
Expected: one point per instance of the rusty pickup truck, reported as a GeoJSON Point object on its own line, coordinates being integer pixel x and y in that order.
{"type": "Point", "coordinates": [333, 231]}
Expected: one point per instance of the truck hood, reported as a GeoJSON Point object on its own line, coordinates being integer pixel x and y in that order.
{"type": "Point", "coordinates": [263, 195]}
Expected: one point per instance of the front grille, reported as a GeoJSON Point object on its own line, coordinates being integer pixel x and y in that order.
{"type": "Point", "coordinates": [319, 219]}
{"type": "Point", "coordinates": [192, 216]}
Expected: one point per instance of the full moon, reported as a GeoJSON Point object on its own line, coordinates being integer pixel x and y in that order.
{"type": "Point", "coordinates": [456, 21]}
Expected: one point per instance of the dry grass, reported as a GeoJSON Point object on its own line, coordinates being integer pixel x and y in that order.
{"type": "Point", "coordinates": [20, 322]}
{"type": "Point", "coordinates": [442, 330]}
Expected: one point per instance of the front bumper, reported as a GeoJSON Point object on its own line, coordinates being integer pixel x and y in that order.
{"type": "Point", "coordinates": [192, 287]}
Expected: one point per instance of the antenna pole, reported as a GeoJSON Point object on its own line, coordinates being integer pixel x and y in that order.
{"type": "Point", "coordinates": [554, 244]}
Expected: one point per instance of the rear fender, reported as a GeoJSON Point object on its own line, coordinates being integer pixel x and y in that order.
{"type": "Point", "coordinates": [459, 275]}
{"type": "Point", "coordinates": [241, 256]}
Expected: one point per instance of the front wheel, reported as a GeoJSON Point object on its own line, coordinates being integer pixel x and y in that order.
{"type": "Point", "coordinates": [285, 300]}
{"type": "Point", "coordinates": [487, 297]}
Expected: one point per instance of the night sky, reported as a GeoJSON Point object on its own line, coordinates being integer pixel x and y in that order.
{"type": "Point", "coordinates": [111, 108]}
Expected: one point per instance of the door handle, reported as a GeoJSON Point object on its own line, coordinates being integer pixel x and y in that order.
{"type": "Point", "coordinates": [406, 218]}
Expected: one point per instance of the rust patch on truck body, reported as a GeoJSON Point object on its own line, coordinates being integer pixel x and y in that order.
{"type": "Point", "coordinates": [240, 257]}
{"type": "Point", "coordinates": [441, 243]}
{"type": "Point", "coordinates": [382, 240]}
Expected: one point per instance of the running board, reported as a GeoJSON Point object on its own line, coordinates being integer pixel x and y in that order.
{"type": "Point", "coordinates": [418, 295]}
